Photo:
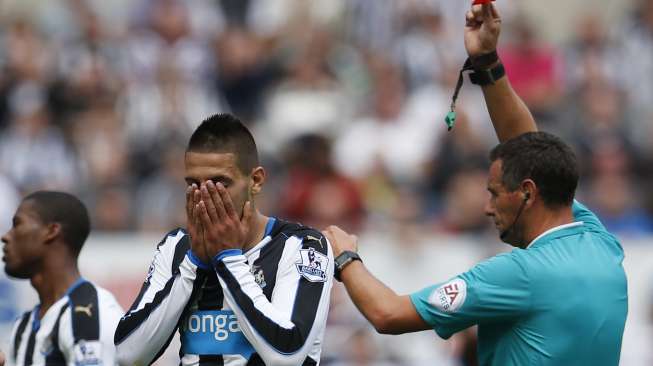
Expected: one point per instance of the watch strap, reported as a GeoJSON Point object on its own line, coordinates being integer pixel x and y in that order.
{"type": "Point", "coordinates": [343, 260]}
{"type": "Point", "coordinates": [488, 76]}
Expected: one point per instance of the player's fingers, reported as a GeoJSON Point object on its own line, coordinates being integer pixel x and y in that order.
{"type": "Point", "coordinates": [227, 202]}
{"type": "Point", "coordinates": [203, 213]}
{"type": "Point", "coordinates": [209, 204]}
{"type": "Point", "coordinates": [217, 200]}
{"type": "Point", "coordinates": [189, 200]}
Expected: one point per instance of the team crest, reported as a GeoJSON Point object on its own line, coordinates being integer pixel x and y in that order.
{"type": "Point", "coordinates": [450, 296]}
{"type": "Point", "coordinates": [259, 277]}
{"type": "Point", "coordinates": [313, 265]}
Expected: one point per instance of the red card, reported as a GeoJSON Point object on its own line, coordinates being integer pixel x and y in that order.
{"type": "Point", "coordinates": [479, 2]}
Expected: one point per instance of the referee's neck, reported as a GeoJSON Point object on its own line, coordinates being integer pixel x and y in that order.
{"type": "Point", "coordinates": [545, 219]}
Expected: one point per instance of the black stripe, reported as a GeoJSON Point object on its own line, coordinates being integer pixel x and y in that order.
{"type": "Point", "coordinates": [55, 357]}
{"type": "Point", "coordinates": [211, 295]}
{"type": "Point", "coordinates": [180, 252]}
{"type": "Point", "coordinates": [141, 293]}
{"type": "Point", "coordinates": [284, 340]}
{"type": "Point", "coordinates": [85, 312]}
{"type": "Point", "coordinates": [131, 321]}
{"type": "Point", "coordinates": [211, 360]}
{"type": "Point", "coordinates": [18, 337]}
{"type": "Point", "coordinates": [29, 353]}
{"type": "Point", "coordinates": [255, 360]}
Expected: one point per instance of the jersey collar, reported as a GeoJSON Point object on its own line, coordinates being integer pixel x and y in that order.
{"type": "Point", "coordinates": [556, 232]}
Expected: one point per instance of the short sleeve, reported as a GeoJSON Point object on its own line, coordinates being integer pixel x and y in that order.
{"type": "Point", "coordinates": [589, 218]}
{"type": "Point", "coordinates": [494, 290]}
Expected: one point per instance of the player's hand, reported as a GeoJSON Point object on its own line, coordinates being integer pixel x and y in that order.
{"type": "Point", "coordinates": [223, 228]}
{"type": "Point", "coordinates": [2, 359]}
{"type": "Point", "coordinates": [482, 28]}
{"type": "Point", "coordinates": [340, 240]}
{"type": "Point", "coordinates": [194, 225]}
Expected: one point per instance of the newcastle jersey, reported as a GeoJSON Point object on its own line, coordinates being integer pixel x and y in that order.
{"type": "Point", "coordinates": [266, 306]}
{"type": "Point", "coordinates": [77, 330]}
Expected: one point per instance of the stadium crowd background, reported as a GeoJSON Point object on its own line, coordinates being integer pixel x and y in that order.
{"type": "Point", "coordinates": [346, 99]}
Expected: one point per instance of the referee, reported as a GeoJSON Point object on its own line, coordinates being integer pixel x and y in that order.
{"type": "Point", "coordinates": [560, 297]}
{"type": "Point", "coordinates": [75, 320]}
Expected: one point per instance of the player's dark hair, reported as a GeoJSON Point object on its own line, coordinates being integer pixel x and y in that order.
{"type": "Point", "coordinates": [224, 133]}
{"type": "Point", "coordinates": [545, 159]}
{"type": "Point", "coordinates": [66, 210]}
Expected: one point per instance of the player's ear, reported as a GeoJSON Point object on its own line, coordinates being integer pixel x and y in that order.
{"type": "Point", "coordinates": [257, 181]}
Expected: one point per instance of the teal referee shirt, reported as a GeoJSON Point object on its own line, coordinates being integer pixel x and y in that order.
{"type": "Point", "coordinates": [561, 301]}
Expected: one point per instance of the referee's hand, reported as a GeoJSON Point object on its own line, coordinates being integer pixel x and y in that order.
{"type": "Point", "coordinates": [2, 359]}
{"type": "Point", "coordinates": [482, 29]}
{"type": "Point", "coordinates": [340, 240]}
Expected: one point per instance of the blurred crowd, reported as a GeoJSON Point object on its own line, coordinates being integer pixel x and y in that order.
{"type": "Point", "coordinates": [346, 100]}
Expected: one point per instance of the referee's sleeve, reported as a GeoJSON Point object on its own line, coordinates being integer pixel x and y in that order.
{"type": "Point", "coordinates": [497, 289]}
{"type": "Point", "coordinates": [283, 330]}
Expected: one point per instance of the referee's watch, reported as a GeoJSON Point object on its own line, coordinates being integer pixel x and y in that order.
{"type": "Point", "coordinates": [343, 260]}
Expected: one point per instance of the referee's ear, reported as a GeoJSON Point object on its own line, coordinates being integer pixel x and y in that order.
{"type": "Point", "coordinates": [257, 180]}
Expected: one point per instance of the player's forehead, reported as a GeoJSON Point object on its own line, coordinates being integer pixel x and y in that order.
{"type": "Point", "coordinates": [201, 166]}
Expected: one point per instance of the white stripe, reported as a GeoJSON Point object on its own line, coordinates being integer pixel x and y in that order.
{"type": "Point", "coordinates": [238, 267]}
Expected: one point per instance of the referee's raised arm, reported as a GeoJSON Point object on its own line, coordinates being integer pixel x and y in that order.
{"type": "Point", "coordinates": [509, 114]}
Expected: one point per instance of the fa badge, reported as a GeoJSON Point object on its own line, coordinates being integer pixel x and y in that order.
{"type": "Point", "coordinates": [450, 296]}
{"type": "Point", "coordinates": [312, 265]}
{"type": "Point", "coordinates": [258, 276]}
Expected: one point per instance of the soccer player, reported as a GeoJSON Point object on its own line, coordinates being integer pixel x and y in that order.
{"type": "Point", "coordinates": [75, 320]}
{"type": "Point", "coordinates": [558, 298]}
{"type": "Point", "coordinates": [241, 288]}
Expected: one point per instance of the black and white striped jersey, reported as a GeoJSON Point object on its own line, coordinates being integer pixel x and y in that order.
{"type": "Point", "coordinates": [77, 330]}
{"type": "Point", "coordinates": [267, 306]}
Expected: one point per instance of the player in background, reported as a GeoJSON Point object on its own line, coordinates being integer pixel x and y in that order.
{"type": "Point", "coordinates": [241, 288]}
{"type": "Point", "coordinates": [75, 320]}
{"type": "Point", "coordinates": [560, 297]}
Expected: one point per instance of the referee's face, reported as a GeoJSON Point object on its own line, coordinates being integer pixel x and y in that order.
{"type": "Point", "coordinates": [219, 168]}
{"type": "Point", "coordinates": [503, 206]}
{"type": "Point", "coordinates": [24, 242]}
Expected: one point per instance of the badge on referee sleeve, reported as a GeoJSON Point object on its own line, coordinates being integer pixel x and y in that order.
{"type": "Point", "coordinates": [450, 296]}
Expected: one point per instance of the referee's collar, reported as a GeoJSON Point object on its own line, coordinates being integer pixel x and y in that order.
{"type": "Point", "coordinates": [559, 230]}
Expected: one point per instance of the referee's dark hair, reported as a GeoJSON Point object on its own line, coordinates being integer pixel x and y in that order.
{"type": "Point", "coordinates": [225, 133]}
{"type": "Point", "coordinates": [66, 210]}
{"type": "Point", "coordinates": [545, 159]}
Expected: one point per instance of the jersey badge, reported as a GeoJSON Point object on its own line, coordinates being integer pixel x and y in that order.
{"type": "Point", "coordinates": [259, 276]}
{"type": "Point", "coordinates": [312, 265]}
{"type": "Point", "coordinates": [450, 296]}
{"type": "Point", "coordinates": [88, 353]}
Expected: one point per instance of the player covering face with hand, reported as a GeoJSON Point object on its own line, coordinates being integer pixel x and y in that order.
{"type": "Point", "coordinates": [236, 285]}
{"type": "Point", "coordinates": [560, 297]}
